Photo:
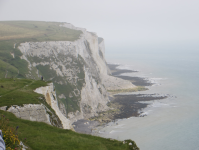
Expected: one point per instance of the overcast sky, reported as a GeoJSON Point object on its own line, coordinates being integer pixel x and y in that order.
{"type": "Point", "coordinates": [119, 22]}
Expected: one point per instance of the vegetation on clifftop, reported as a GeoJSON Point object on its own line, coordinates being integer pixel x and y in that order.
{"type": "Point", "coordinates": [15, 32]}
{"type": "Point", "coordinates": [20, 91]}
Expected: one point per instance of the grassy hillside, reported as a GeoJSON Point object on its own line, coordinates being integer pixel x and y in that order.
{"type": "Point", "coordinates": [12, 33]}
{"type": "Point", "coordinates": [19, 92]}
{"type": "Point", "coordinates": [41, 136]}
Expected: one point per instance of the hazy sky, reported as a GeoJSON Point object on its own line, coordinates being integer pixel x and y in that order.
{"type": "Point", "coordinates": [119, 22]}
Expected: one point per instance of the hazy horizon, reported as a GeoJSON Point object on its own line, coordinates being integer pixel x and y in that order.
{"type": "Point", "coordinates": [129, 23]}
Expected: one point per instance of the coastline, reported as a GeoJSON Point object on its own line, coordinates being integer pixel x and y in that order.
{"type": "Point", "coordinates": [123, 104]}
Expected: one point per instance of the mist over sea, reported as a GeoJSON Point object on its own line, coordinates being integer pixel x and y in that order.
{"type": "Point", "coordinates": [170, 124]}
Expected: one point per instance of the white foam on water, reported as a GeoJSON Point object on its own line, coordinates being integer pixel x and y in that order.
{"type": "Point", "coordinates": [125, 67]}
{"type": "Point", "coordinates": [156, 81]}
{"type": "Point", "coordinates": [114, 131]}
{"type": "Point", "coordinates": [119, 126]}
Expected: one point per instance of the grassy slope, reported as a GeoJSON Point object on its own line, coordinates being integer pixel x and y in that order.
{"type": "Point", "coordinates": [19, 92]}
{"type": "Point", "coordinates": [41, 136]}
{"type": "Point", "coordinates": [16, 32]}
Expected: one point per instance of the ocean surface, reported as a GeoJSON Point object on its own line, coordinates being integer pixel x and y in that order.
{"type": "Point", "coordinates": [170, 124]}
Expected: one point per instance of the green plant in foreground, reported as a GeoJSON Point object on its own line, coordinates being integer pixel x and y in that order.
{"type": "Point", "coordinates": [9, 135]}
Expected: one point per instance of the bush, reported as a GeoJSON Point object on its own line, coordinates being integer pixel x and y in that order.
{"type": "Point", "coordinates": [10, 135]}
{"type": "Point", "coordinates": [132, 145]}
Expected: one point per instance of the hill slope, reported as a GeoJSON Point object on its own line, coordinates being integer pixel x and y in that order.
{"type": "Point", "coordinates": [41, 136]}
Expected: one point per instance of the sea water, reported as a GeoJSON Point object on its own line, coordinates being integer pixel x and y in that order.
{"type": "Point", "coordinates": [172, 123]}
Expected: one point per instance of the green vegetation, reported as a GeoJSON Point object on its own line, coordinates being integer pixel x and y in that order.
{"type": "Point", "coordinates": [138, 88]}
{"type": "Point", "coordinates": [41, 136]}
{"type": "Point", "coordinates": [36, 31]}
{"type": "Point", "coordinates": [19, 92]}
{"type": "Point", "coordinates": [15, 32]}
{"type": "Point", "coordinates": [10, 135]}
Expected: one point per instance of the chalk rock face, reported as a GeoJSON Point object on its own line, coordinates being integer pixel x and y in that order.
{"type": "Point", "coordinates": [78, 70]}
{"type": "Point", "coordinates": [113, 83]}
{"type": "Point", "coordinates": [50, 96]}
{"type": "Point", "coordinates": [33, 112]}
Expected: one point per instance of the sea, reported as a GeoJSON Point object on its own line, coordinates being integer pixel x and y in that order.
{"type": "Point", "coordinates": [172, 123]}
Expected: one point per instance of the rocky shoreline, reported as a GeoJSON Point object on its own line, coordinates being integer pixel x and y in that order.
{"type": "Point", "coordinates": [122, 105]}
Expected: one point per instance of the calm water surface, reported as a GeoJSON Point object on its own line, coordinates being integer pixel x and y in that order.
{"type": "Point", "coordinates": [171, 124]}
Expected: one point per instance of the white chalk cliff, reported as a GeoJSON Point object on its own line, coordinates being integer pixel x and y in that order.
{"type": "Point", "coordinates": [50, 96]}
{"type": "Point", "coordinates": [79, 72]}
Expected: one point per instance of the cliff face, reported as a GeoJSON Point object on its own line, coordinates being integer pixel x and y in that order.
{"type": "Point", "coordinates": [33, 112]}
{"type": "Point", "coordinates": [37, 112]}
{"type": "Point", "coordinates": [76, 69]}
{"type": "Point", "coordinates": [51, 99]}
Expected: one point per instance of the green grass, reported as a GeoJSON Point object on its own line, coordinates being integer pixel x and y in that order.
{"type": "Point", "coordinates": [36, 31]}
{"type": "Point", "coordinates": [6, 68]}
{"type": "Point", "coordinates": [19, 91]}
{"type": "Point", "coordinates": [40, 136]}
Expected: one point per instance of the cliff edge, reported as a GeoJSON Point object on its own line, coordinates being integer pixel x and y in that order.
{"type": "Point", "coordinates": [70, 57]}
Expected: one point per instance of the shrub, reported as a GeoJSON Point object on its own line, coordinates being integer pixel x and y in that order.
{"type": "Point", "coordinates": [10, 135]}
{"type": "Point", "coordinates": [132, 145]}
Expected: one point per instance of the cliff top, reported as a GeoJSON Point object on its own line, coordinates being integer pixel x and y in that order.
{"type": "Point", "coordinates": [36, 31]}
{"type": "Point", "coordinates": [20, 91]}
